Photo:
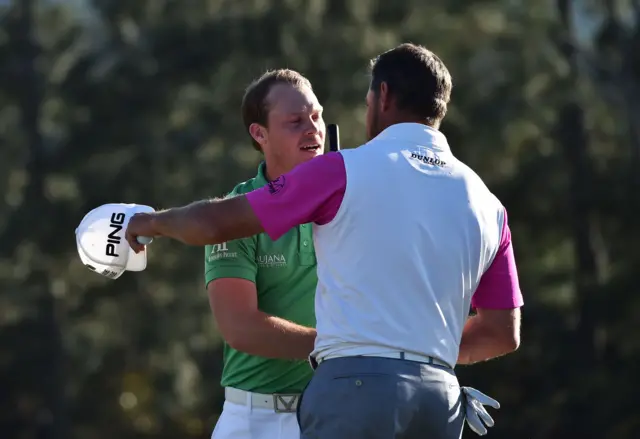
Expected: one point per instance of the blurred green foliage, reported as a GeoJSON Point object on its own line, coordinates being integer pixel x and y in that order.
{"type": "Point", "coordinates": [115, 101]}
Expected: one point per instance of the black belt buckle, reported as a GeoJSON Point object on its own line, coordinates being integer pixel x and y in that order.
{"type": "Point", "coordinates": [285, 402]}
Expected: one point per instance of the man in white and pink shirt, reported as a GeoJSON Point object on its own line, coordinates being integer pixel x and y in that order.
{"type": "Point", "coordinates": [407, 239]}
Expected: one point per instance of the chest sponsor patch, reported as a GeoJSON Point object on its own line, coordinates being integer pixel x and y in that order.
{"type": "Point", "coordinates": [272, 260]}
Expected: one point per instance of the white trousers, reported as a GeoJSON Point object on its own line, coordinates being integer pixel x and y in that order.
{"type": "Point", "coordinates": [244, 422]}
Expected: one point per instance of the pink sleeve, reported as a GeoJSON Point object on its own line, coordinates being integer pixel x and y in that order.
{"type": "Point", "coordinates": [499, 287]}
{"type": "Point", "coordinates": [310, 193]}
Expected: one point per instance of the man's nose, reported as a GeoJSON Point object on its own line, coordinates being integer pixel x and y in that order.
{"type": "Point", "coordinates": [313, 127]}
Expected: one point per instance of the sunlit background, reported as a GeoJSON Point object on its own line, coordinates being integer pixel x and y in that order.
{"type": "Point", "coordinates": [139, 101]}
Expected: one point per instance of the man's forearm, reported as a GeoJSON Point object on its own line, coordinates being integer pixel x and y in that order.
{"type": "Point", "coordinates": [272, 337]}
{"type": "Point", "coordinates": [187, 224]}
{"type": "Point", "coordinates": [208, 222]}
{"type": "Point", "coordinates": [479, 343]}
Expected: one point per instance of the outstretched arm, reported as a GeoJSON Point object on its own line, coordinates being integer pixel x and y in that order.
{"type": "Point", "coordinates": [312, 192]}
{"type": "Point", "coordinates": [208, 221]}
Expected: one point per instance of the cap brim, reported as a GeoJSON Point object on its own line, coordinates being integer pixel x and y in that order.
{"type": "Point", "coordinates": [111, 272]}
{"type": "Point", "coordinates": [137, 261]}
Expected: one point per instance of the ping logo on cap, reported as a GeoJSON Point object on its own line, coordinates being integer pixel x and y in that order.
{"type": "Point", "coordinates": [116, 224]}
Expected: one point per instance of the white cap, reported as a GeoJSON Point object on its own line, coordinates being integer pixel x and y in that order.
{"type": "Point", "coordinates": [101, 243]}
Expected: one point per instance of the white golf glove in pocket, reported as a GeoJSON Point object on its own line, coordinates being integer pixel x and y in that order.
{"type": "Point", "coordinates": [476, 414]}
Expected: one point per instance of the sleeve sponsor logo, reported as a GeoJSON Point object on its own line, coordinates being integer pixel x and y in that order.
{"type": "Point", "coordinates": [221, 251]}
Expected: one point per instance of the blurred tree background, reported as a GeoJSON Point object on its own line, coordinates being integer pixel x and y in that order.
{"type": "Point", "coordinates": [139, 101]}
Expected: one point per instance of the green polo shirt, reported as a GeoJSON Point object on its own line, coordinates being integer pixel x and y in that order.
{"type": "Point", "coordinates": [284, 272]}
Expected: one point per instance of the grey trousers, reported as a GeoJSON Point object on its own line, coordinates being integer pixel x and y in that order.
{"type": "Point", "coordinates": [381, 398]}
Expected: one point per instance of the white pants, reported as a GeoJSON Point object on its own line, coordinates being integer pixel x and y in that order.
{"type": "Point", "coordinates": [244, 422]}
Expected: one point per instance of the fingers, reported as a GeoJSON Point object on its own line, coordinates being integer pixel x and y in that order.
{"type": "Point", "coordinates": [483, 414]}
{"type": "Point", "coordinates": [476, 415]}
{"type": "Point", "coordinates": [139, 231]}
{"type": "Point", "coordinates": [474, 422]}
{"type": "Point", "coordinates": [481, 397]}
{"type": "Point", "coordinates": [132, 239]}
{"type": "Point", "coordinates": [133, 242]}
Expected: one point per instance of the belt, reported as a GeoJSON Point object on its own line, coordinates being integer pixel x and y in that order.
{"type": "Point", "coordinates": [397, 355]}
{"type": "Point", "coordinates": [278, 402]}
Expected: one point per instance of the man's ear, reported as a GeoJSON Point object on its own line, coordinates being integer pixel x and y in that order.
{"type": "Point", "coordinates": [259, 133]}
{"type": "Point", "coordinates": [383, 96]}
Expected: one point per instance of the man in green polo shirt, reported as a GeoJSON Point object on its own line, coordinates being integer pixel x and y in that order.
{"type": "Point", "coordinates": [262, 292]}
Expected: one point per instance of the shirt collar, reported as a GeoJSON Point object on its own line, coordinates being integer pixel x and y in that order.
{"type": "Point", "coordinates": [261, 177]}
{"type": "Point", "coordinates": [416, 133]}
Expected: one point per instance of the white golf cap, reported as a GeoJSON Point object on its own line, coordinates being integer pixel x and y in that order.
{"type": "Point", "coordinates": [101, 243]}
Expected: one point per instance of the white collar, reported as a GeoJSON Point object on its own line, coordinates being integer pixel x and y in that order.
{"type": "Point", "coordinates": [415, 132]}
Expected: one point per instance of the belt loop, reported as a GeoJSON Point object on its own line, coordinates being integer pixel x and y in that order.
{"type": "Point", "coordinates": [402, 355]}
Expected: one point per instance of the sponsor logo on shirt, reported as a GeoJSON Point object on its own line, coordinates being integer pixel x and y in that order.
{"type": "Point", "coordinates": [428, 160]}
{"type": "Point", "coordinates": [276, 185]}
{"type": "Point", "coordinates": [271, 261]}
{"type": "Point", "coordinates": [220, 251]}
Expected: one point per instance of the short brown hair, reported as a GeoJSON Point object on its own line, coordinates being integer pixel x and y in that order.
{"type": "Point", "coordinates": [255, 108]}
{"type": "Point", "coordinates": [417, 78]}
